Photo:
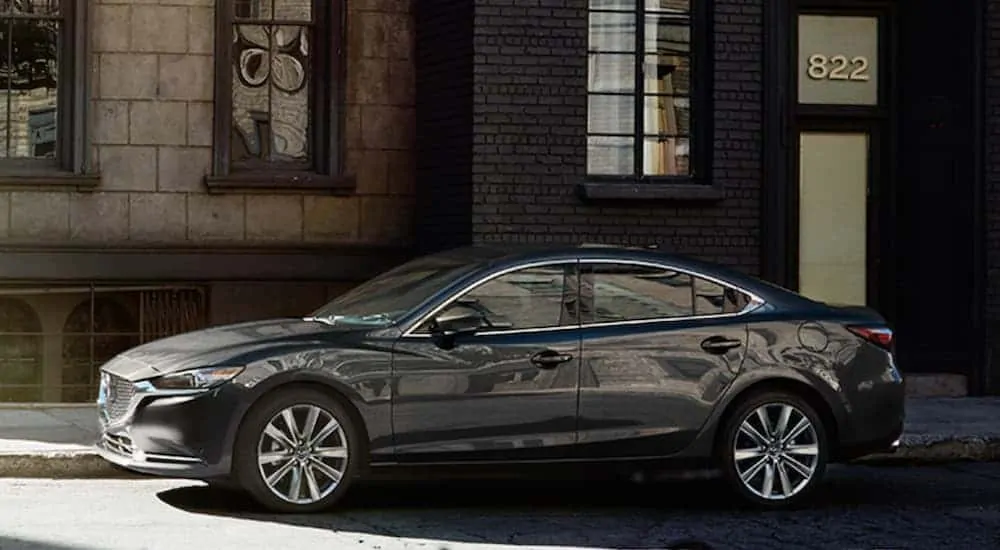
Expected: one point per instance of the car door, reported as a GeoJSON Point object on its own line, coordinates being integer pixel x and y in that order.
{"type": "Point", "coordinates": [507, 390]}
{"type": "Point", "coordinates": [659, 347]}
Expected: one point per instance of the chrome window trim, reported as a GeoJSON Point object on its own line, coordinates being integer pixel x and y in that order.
{"type": "Point", "coordinates": [755, 300]}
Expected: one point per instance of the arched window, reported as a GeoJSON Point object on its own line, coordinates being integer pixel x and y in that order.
{"type": "Point", "coordinates": [95, 331]}
{"type": "Point", "coordinates": [20, 352]}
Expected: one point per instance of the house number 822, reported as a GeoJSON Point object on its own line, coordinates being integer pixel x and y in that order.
{"type": "Point", "coordinates": [838, 67]}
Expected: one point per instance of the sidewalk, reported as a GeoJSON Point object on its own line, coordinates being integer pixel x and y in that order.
{"type": "Point", "coordinates": [56, 441]}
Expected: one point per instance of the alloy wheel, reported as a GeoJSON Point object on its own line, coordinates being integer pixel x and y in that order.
{"type": "Point", "coordinates": [776, 451]}
{"type": "Point", "coordinates": [302, 454]}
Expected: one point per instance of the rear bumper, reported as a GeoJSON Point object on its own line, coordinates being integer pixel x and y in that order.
{"type": "Point", "coordinates": [876, 418]}
{"type": "Point", "coordinates": [886, 445]}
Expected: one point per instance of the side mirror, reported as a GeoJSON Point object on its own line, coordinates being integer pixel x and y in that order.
{"type": "Point", "coordinates": [458, 319]}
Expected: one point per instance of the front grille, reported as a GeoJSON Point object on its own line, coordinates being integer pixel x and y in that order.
{"type": "Point", "coordinates": [119, 397]}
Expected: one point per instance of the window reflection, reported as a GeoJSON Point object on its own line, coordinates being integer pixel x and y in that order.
{"type": "Point", "coordinates": [29, 67]}
{"type": "Point", "coordinates": [639, 106]}
{"type": "Point", "coordinates": [626, 292]}
{"type": "Point", "coordinates": [631, 292]}
{"type": "Point", "coordinates": [524, 299]}
{"type": "Point", "coordinates": [271, 82]}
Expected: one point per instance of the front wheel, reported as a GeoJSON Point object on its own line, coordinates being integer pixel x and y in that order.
{"type": "Point", "coordinates": [297, 451]}
{"type": "Point", "coordinates": [774, 450]}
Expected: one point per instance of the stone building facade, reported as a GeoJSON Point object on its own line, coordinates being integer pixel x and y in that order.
{"type": "Point", "coordinates": [208, 162]}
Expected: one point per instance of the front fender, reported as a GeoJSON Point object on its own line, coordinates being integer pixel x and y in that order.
{"type": "Point", "coordinates": [361, 376]}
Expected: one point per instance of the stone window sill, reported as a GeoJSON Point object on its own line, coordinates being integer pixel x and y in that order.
{"type": "Point", "coordinates": [265, 181]}
{"type": "Point", "coordinates": [48, 178]}
{"type": "Point", "coordinates": [674, 189]}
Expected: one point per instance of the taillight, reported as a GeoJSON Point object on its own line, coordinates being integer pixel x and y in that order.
{"type": "Point", "coordinates": [880, 336]}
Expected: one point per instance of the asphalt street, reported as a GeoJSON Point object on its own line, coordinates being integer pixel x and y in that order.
{"type": "Point", "coordinates": [860, 508]}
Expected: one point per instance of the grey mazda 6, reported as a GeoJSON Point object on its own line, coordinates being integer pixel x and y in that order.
{"type": "Point", "coordinates": [507, 357]}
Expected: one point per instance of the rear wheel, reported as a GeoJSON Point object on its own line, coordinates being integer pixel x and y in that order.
{"type": "Point", "coordinates": [774, 449]}
{"type": "Point", "coordinates": [297, 451]}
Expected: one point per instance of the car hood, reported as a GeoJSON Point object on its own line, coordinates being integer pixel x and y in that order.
{"type": "Point", "coordinates": [220, 345]}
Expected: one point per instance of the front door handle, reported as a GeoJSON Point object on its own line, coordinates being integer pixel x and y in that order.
{"type": "Point", "coordinates": [550, 359]}
{"type": "Point", "coordinates": [719, 345]}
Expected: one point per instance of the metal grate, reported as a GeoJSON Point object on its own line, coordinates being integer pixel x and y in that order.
{"type": "Point", "coordinates": [169, 312]}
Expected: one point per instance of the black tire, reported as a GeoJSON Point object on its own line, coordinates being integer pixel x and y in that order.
{"type": "Point", "coordinates": [726, 449]}
{"type": "Point", "coordinates": [245, 454]}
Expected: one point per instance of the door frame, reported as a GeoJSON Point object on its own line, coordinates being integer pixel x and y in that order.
{"type": "Point", "coordinates": [410, 335]}
{"type": "Point", "coordinates": [786, 118]}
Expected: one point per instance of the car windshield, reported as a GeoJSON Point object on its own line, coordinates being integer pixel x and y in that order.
{"type": "Point", "coordinates": [386, 298]}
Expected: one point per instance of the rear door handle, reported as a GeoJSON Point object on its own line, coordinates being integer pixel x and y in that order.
{"type": "Point", "coordinates": [719, 344]}
{"type": "Point", "coordinates": [550, 359]}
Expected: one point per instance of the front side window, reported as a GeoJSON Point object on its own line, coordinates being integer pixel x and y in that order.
{"type": "Point", "coordinates": [530, 298]}
{"type": "Point", "coordinates": [640, 87]}
{"type": "Point", "coordinates": [618, 292]}
{"type": "Point", "coordinates": [41, 59]}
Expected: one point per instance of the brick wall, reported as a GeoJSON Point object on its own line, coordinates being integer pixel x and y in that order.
{"type": "Point", "coordinates": [992, 182]}
{"type": "Point", "coordinates": [530, 121]}
{"type": "Point", "coordinates": [151, 128]}
{"type": "Point", "coordinates": [992, 111]}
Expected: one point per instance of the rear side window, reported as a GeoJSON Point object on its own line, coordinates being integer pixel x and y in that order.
{"type": "Point", "coordinates": [627, 292]}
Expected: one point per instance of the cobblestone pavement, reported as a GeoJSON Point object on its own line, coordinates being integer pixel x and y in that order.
{"type": "Point", "coordinates": [862, 508]}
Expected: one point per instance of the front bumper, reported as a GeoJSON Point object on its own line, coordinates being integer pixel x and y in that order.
{"type": "Point", "coordinates": [184, 436]}
{"type": "Point", "coordinates": [118, 449]}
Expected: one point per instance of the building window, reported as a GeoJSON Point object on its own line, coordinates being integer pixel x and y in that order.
{"type": "Point", "coordinates": [21, 341]}
{"type": "Point", "coordinates": [278, 91]}
{"type": "Point", "coordinates": [54, 340]}
{"type": "Point", "coordinates": [95, 331]}
{"type": "Point", "coordinates": [641, 85]}
{"type": "Point", "coordinates": [42, 80]}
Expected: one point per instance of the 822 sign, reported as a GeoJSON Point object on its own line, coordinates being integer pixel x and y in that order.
{"type": "Point", "coordinates": [838, 67]}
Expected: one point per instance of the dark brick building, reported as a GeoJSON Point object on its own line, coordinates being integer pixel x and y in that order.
{"type": "Point", "coordinates": [844, 148]}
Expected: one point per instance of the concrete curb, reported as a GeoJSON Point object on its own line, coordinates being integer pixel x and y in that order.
{"type": "Point", "coordinates": [940, 451]}
{"type": "Point", "coordinates": [89, 465]}
{"type": "Point", "coordinates": [62, 465]}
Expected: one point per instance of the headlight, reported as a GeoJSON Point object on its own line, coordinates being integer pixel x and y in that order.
{"type": "Point", "coordinates": [196, 379]}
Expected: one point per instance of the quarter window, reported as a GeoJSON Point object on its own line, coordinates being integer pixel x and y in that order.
{"type": "Point", "coordinates": [627, 292]}
{"type": "Point", "coordinates": [713, 299]}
